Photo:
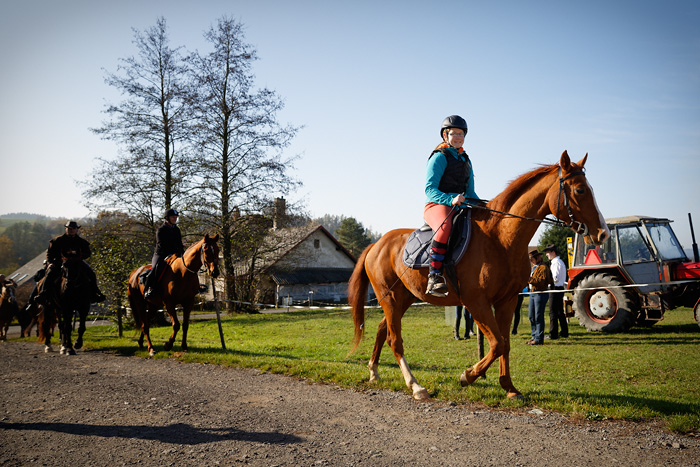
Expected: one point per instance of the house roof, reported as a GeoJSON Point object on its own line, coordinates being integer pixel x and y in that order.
{"type": "Point", "coordinates": [26, 272]}
{"type": "Point", "coordinates": [310, 275]}
{"type": "Point", "coordinates": [302, 233]}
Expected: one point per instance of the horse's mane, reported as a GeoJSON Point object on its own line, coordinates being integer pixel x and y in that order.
{"type": "Point", "coordinates": [519, 186]}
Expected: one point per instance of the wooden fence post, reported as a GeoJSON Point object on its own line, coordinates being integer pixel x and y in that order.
{"type": "Point", "coordinates": [218, 316]}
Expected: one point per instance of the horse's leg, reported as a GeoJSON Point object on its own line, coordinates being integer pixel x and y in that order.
{"type": "Point", "coordinates": [176, 326]}
{"type": "Point", "coordinates": [484, 318]}
{"type": "Point", "coordinates": [66, 345]}
{"type": "Point", "coordinates": [395, 306]}
{"type": "Point", "coordinates": [82, 317]}
{"type": "Point", "coordinates": [186, 310]}
{"type": "Point", "coordinates": [378, 344]}
{"type": "Point", "coordinates": [504, 317]}
{"type": "Point", "coordinates": [146, 329]}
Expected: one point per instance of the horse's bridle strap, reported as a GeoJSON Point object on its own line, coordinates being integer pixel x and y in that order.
{"type": "Point", "coordinates": [576, 226]}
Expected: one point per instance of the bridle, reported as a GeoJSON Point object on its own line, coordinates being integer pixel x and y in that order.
{"type": "Point", "coordinates": [578, 227]}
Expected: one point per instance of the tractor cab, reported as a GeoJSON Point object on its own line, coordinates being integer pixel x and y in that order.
{"type": "Point", "coordinates": [637, 274]}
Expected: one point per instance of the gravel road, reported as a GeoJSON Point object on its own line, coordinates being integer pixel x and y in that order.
{"type": "Point", "coordinates": [100, 409]}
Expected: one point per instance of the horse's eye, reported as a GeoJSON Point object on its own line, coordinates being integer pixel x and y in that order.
{"type": "Point", "coordinates": [579, 190]}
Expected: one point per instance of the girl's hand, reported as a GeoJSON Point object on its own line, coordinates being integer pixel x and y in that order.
{"type": "Point", "coordinates": [458, 200]}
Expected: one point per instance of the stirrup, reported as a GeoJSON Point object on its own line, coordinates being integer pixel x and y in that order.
{"type": "Point", "coordinates": [436, 285]}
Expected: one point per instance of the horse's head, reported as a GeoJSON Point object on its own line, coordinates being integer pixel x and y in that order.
{"type": "Point", "coordinates": [572, 200]}
{"type": "Point", "coordinates": [210, 254]}
{"type": "Point", "coordinates": [8, 293]}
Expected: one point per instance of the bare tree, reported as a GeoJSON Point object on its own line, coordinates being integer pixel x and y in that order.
{"type": "Point", "coordinates": [239, 140]}
{"type": "Point", "coordinates": [151, 128]}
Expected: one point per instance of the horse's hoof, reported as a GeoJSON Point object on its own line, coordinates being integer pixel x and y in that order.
{"type": "Point", "coordinates": [48, 349]}
{"type": "Point", "coordinates": [151, 353]}
{"type": "Point", "coordinates": [466, 379]}
{"type": "Point", "coordinates": [71, 351]}
{"type": "Point", "coordinates": [421, 395]}
{"type": "Point", "coordinates": [78, 345]}
{"type": "Point", "coordinates": [63, 350]}
{"type": "Point", "coordinates": [515, 396]}
{"type": "Point", "coordinates": [168, 346]}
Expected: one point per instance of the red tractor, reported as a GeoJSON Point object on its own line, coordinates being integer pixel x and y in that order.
{"type": "Point", "coordinates": [634, 277]}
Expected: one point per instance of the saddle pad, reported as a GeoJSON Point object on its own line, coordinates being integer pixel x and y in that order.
{"type": "Point", "coordinates": [416, 253]}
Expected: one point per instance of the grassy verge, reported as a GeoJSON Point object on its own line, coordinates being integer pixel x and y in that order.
{"type": "Point", "coordinates": [644, 374]}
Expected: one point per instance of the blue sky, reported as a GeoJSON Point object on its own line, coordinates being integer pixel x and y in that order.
{"type": "Point", "coordinates": [371, 82]}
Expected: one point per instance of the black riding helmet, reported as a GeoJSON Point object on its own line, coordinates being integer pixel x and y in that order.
{"type": "Point", "coordinates": [454, 121]}
{"type": "Point", "coordinates": [170, 212]}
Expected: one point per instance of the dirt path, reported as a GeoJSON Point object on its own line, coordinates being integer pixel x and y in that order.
{"type": "Point", "coordinates": [100, 409]}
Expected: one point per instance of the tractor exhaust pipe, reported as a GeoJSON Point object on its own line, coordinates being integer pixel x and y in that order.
{"type": "Point", "coordinates": [696, 257]}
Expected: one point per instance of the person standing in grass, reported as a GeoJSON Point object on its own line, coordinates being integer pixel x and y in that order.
{"type": "Point", "coordinates": [540, 281]}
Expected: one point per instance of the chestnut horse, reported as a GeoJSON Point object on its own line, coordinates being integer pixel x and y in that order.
{"type": "Point", "coordinates": [9, 309]}
{"type": "Point", "coordinates": [179, 284]}
{"type": "Point", "coordinates": [491, 274]}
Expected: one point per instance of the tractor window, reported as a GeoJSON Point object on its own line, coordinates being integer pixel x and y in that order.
{"type": "Point", "coordinates": [666, 242]}
{"type": "Point", "coordinates": [588, 255]}
{"type": "Point", "coordinates": [633, 248]}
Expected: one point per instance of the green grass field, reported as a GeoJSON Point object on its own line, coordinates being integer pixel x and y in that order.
{"type": "Point", "coordinates": [649, 373]}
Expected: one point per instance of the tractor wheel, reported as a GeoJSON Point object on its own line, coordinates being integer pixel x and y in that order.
{"type": "Point", "coordinates": [696, 312]}
{"type": "Point", "coordinates": [602, 305]}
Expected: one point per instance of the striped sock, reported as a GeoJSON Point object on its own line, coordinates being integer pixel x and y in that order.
{"type": "Point", "coordinates": [437, 256]}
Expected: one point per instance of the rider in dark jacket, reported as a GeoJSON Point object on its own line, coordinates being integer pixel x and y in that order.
{"type": "Point", "coordinates": [68, 247]}
{"type": "Point", "coordinates": [168, 242]}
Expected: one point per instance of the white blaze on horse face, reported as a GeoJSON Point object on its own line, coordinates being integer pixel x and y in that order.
{"type": "Point", "coordinates": [605, 234]}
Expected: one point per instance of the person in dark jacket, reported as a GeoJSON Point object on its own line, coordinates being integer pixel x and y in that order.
{"type": "Point", "coordinates": [68, 247]}
{"type": "Point", "coordinates": [168, 242]}
{"type": "Point", "coordinates": [38, 276]}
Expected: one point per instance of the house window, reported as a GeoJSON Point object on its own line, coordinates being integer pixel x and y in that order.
{"type": "Point", "coordinates": [317, 243]}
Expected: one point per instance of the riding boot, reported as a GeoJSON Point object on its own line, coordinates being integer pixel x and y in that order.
{"type": "Point", "coordinates": [436, 282]}
{"type": "Point", "coordinates": [456, 332]}
{"type": "Point", "coordinates": [436, 285]}
{"type": "Point", "coordinates": [97, 296]}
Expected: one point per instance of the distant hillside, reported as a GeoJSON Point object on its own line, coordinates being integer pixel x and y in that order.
{"type": "Point", "coordinates": [25, 216]}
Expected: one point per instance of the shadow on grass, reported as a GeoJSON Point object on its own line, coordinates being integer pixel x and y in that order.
{"type": "Point", "coordinates": [178, 433]}
{"type": "Point", "coordinates": [612, 401]}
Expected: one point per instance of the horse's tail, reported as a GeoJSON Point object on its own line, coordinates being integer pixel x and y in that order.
{"type": "Point", "coordinates": [135, 297]}
{"type": "Point", "coordinates": [357, 295]}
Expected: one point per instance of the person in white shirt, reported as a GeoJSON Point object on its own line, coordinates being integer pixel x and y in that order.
{"type": "Point", "coordinates": [556, 298]}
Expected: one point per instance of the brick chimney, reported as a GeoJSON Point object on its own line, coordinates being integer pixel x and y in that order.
{"type": "Point", "coordinates": [280, 212]}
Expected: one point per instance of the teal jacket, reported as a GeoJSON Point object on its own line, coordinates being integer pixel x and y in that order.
{"type": "Point", "coordinates": [436, 168]}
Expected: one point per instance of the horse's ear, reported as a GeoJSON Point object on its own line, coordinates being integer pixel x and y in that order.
{"type": "Point", "coordinates": [582, 162]}
{"type": "Point", "coordinates": [216, 238]}
{"type": "Point", "coordinates": [565, 161]}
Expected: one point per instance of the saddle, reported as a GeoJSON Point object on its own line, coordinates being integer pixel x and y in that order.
{"type": "Point", "coordinates": [149, 268]}
{"type": "Point", "coordinates": [416, 253]}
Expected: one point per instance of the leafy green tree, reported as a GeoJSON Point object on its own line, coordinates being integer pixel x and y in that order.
{"type": "Point", "coordinates": [557, 235]}
{"type": "Point", "coordinates": [8, 257]}
{"type": "Point", "coordinates": [352, 236]}
{"type": "Point", "coordinates": [332, 223]}
{"type": "Point", "coordinates": [119, 244]}
{"type": "Point", "coordinates": [30, 239]}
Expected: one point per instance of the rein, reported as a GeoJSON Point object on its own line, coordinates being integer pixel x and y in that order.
{"type": "Point", "coordinates": [576, 226]}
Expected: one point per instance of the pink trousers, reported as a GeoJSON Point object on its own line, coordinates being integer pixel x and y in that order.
{"type": "Point", "coordinates": [439, 218]}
